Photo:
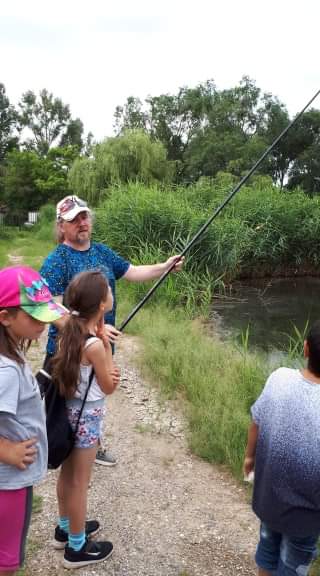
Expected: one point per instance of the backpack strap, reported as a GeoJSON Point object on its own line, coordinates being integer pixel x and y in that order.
{"type": "Point", "coordinates": [84, 400]}
{"type": "Point", "coordinates": [87, 343]}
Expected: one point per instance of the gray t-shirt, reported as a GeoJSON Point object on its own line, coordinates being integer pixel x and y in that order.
{"type": "Point", "coordinates": [287, 469]}
{"type": "Point", "coordinates": [22, 416]}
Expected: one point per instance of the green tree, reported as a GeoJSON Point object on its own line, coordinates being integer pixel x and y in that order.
{"type": "Point", "coordinates": [238, 127]}
{"type": "Point", "coordinates": [53, 180]}
{"type": "Point", "coordinates": [130, 116]}
{"type": "Point", "coordinates": [30, 180]}
{"type": "Point", "coordinates": [8, 124]}
{"type": "Point", "coordinates": [304, 170]}
{"type": "Point", "coordinates": [275, 121]}
{"type": "Point", "coordinates": [73, 136]}
{"type": "Point", "coordinates": [22, 170]}
{"type": "Point", "coordinates": [170, 119]}
{"type": "Point", "coordinates": [129, 157]}
{"type": "Point", "coordinates": [46, 117]}
{"type": "Point", "coordinates": [206, 130]}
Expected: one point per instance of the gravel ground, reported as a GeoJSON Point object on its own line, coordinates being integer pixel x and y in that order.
{"type": "Point", "coordinates": [167, 512]}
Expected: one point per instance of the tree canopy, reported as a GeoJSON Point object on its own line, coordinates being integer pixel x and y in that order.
{"type": "Point", "coordinates": [179, 138]}
{"type": "Point", "coordinates": [49, 122]}
{"type": "Point", "coordinates": [8, 125]}
{"type": "Point", "coordinates": [207, 130]}
{"type": "Point", "coordinates": [129, 157]}
{"type": "Point", "coordinates": [39, 141]}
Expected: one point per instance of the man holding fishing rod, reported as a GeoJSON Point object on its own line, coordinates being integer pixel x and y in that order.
{"type": "Point", "coordinates": [76, 253]}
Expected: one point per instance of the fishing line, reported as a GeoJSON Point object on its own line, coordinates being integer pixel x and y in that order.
{"type": "Point", "coordinates": [226, 201]}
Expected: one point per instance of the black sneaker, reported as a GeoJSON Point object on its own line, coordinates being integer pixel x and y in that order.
{"type": "Point", "coordinates": [90, 553]}
{"type": "Point", "coordinates": [61, 536]}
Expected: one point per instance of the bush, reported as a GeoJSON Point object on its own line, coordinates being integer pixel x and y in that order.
{"type": "Point", "coordinates": [262, 230]}
{"type": "Point", "coordinates": [47, 214]}
{"type": "Point", "coordinates": [45, 227]}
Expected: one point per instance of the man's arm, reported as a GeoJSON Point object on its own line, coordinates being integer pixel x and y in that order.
{"type": "Point", "coordinates": [250, 454]}
{"type": "Point", "coordinates": [142, 274]}
{"type": "Point", "coordinates": [146, 272]}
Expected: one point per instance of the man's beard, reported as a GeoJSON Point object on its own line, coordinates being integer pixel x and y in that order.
{"type": "Point", "coordinates": [81, 240]}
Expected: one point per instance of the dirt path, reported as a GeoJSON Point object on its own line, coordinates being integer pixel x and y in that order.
{"type": "Point", "coordinates": [167, 512]}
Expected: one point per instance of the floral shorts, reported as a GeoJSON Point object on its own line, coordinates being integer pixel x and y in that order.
{"type": "Point", "coordinates": [89, 427]}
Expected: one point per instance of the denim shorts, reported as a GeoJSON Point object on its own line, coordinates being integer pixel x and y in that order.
{"type": "Point", "coordinates": [284, 555]}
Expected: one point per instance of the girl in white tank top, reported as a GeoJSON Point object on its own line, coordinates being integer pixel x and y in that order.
{"type": "Point", "coordinates": [83, 351]}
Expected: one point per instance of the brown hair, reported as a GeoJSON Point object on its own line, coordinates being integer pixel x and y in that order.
{"type": "Point", "coordinates": [8, 347]}
{"type": "Point", "coordinates": [313, 340]}
{"type": "Point", "coordinates": [84, 295]}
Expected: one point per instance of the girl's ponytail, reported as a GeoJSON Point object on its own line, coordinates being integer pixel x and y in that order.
{"type": "Point", "coordinates": [66, 362]}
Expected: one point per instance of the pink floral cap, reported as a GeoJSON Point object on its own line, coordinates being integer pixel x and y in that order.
{"type": "Point", "coordinates": [24, 287]}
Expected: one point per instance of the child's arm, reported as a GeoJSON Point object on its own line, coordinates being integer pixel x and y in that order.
{"type": "Point", "coordinates": [250, 453]}
{"type": "Point", "coordinates": [106, 339]}
{"type": "Point", "coordinates": [18, 454]}
{"type": "Point", "coordinates": [100, 356]}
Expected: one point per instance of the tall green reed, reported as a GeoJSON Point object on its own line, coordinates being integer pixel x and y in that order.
{"type": "Point", "coordinates": [263, 230]}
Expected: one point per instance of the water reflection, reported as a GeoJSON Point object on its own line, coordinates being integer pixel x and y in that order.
{"type": "Point", "coordinates": [270, 307]}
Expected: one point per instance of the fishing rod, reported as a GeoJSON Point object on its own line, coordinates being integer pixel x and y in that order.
{"type": "Point", "coordinates": [204, 227]}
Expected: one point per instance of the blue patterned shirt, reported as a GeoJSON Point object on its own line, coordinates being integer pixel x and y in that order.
{"type": "Point", "coordinates": [65, 262]}
{"type": "Point", "coordinates": [286, 492]}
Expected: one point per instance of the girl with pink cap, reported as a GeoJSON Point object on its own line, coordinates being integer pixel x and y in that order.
{"type": "Point", "coordinates": [26, 305]}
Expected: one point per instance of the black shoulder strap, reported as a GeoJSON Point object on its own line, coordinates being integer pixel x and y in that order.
{"type": "Point", "coordinates": [84, 399]}
{"type": "Point", "coordinates": [87, 390]}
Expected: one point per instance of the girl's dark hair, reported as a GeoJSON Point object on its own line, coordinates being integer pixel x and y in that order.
{"type": "Point", "coordinates": [313, 340]}
{"type": "Point", "coordinates": [8, 347]}
{"type": "Point", "coordinates": [84, 295]}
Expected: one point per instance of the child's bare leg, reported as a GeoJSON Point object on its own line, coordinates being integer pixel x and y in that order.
{"type": "Point", "coordinates": [81, 462]}
{"type": "Point", "coordinates": [262, 572]}
{"type": "Point", "coordinates": [63, 487]}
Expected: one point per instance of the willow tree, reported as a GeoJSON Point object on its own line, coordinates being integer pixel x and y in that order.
{"type": "Point", "coordinates": [131, 157]}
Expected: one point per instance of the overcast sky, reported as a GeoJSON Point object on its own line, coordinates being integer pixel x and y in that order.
{"type": "Point", "coordinates": [95, 54]}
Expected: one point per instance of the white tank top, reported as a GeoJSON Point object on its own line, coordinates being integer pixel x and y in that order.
{"type": "Point", "coordinates": [95, 392]}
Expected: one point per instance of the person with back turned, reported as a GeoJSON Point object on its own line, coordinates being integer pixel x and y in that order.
{"type": "Point", "coordinates": [283, 450]}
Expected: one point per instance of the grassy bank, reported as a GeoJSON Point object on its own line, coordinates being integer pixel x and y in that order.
{"type": "Point", "coordinates": [218, 381]}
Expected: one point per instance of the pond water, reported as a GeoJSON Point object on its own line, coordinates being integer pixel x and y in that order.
{"type": "Point", "coordinates": [270, 307]}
